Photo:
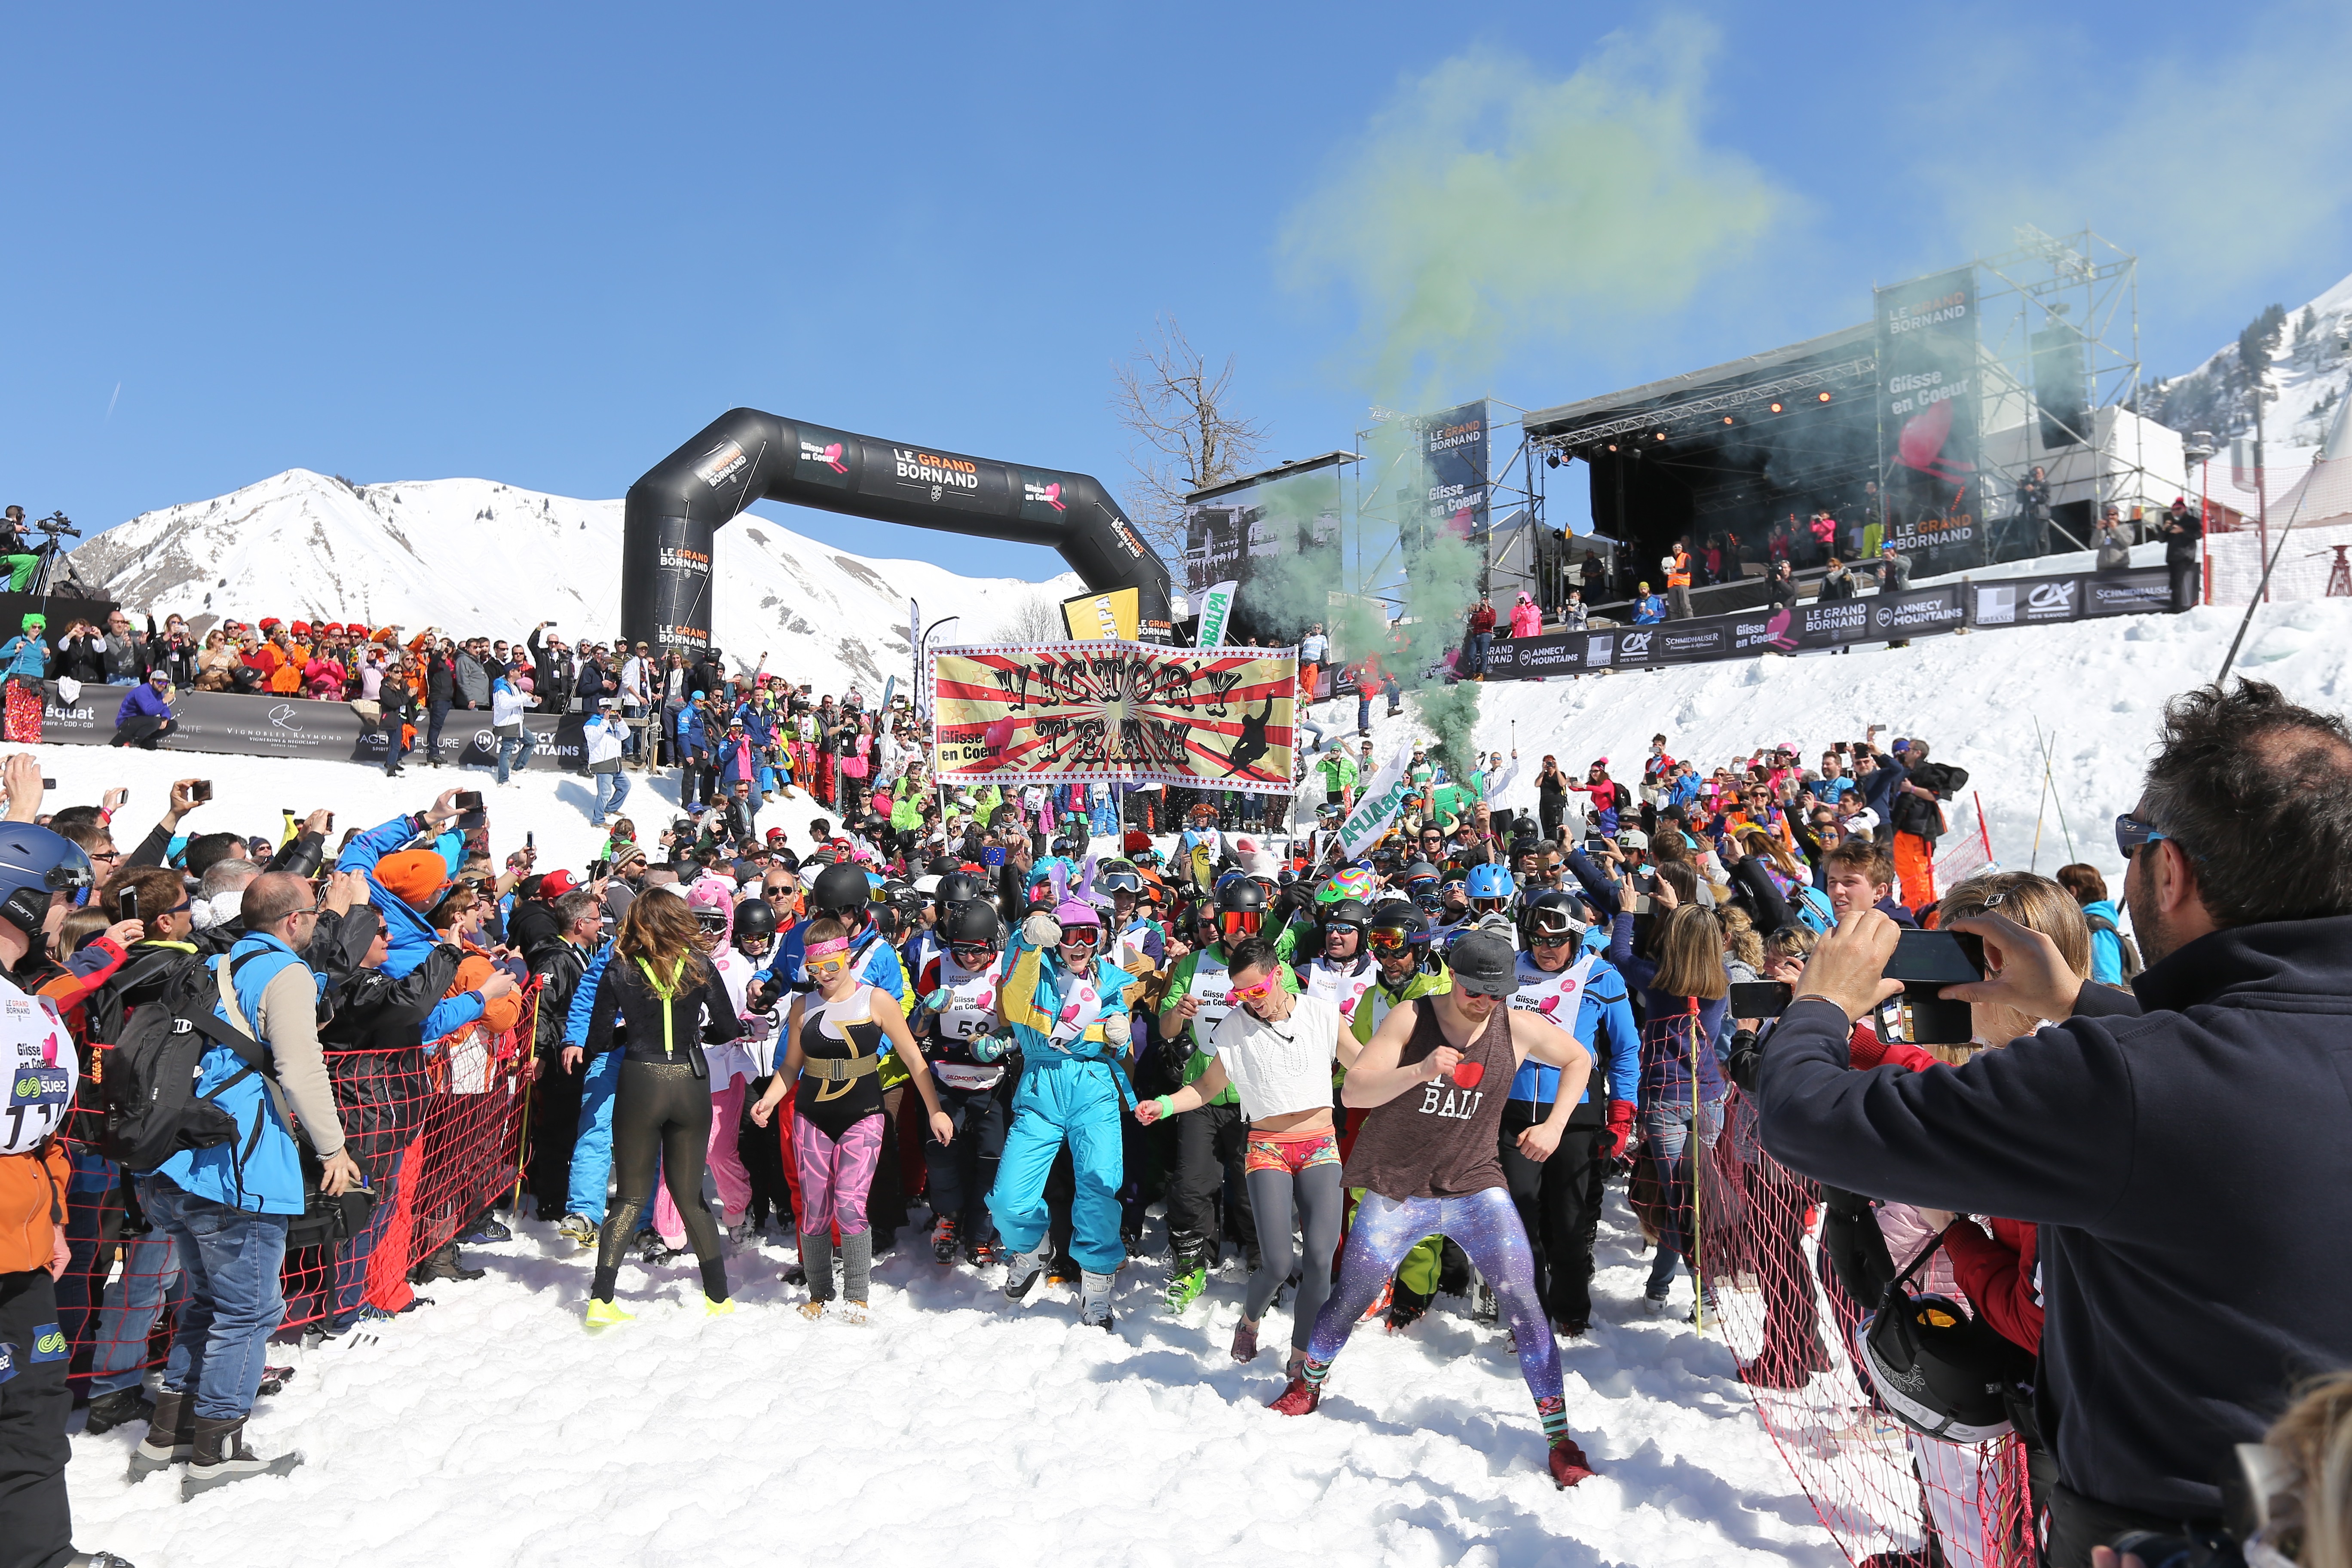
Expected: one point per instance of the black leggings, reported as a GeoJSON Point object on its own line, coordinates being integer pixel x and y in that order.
{"type": "Point", "coordinates": [661, 1112]}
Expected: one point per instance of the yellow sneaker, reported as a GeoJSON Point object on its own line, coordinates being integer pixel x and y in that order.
{"type": "Point", "coordinates": [812, 1310]}
{"type": "Point", "coordinates": [711, 1308]}
{"type": "Point", "coordinates": [607, 1314]}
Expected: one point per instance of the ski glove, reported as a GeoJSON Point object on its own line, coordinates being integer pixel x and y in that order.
{"type": "Point", "coordinates": [986, 1048]}
{"type": "Point", "coordinates": [1042, 931]}
{"type": "Point", "coordinates": [1619, 1137]}
{"type": "Point", "coordinates": [1118, 1030]}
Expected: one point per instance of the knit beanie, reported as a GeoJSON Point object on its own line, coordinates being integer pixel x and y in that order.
{"type": "Point", "coordinates": [413, 876]}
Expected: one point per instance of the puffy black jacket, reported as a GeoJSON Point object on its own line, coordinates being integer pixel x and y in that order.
{"type": "Point", "coordinates": [2183, 1150]}
{"type": "Point", "coordinates": [1925, 818]}
{"type": "Point", "coordinates": [558, 970]}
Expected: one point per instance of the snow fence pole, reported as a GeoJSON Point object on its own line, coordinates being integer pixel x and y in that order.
{"type": "Point", "coordinates": [1984, 834]}
{"type": "Point", "coordinates": [530, 1061]}
{"type": "Point", "coordinates": [1696, 1150]}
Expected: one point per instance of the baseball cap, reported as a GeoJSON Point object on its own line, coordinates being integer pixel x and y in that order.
{"type": "Point", "coordinates": [1483, 963]}
{"type": "Point", "coordinates": [1633, 838]}
{"type": "Point", "coordinates": [555, 884]}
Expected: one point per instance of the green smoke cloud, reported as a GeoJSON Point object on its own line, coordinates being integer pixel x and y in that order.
{"type": "Point", "coordinates": [1486, 206]}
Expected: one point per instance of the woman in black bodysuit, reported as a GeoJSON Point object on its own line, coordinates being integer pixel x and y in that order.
{"type": "Point", "coordinates": [669, 1000]}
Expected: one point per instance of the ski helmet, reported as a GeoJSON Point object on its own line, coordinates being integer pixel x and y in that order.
{"type": "Point", "coordinates": [1942, 1373]}
{"type": "Point", "coordinates": [840, 890]}
{"type": "Point", "coordinates": [975, 923]}
{"type": "Point", "coordinates": [35, 863]}
{"type": "Point", "coordinates": [1492, 885]}
{"type": "Point", "coordinates": [1118, 877]}
{"type": "Point", "coordinates": [1343, 914]}
{"type": "Point", "coordinates": [1551, 917]}
{"type": "Point", "coordinates": [714, 911]}
{"type": "Point", "coordinates": [959, 887]}
{"type": "Point", "coordinates": [1349, 882]}
{"type": "Point", "coordinates": [755, 922]}
{"type": "Point", "coordinates": [1241, 907]}
{"type": "Point", "coordinates": [1396, 922]}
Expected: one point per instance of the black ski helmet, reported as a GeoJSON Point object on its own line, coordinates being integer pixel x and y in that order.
{"type": "Point", "coordinates": [975, 923]}
{"type": "Point", "coordinates": [1551, 913]}
{"type": "Point", "coordinates": [1942, 1373]}
{"type": "Point", "coordinates": [1239, 896]}
{"type": "Point", "coordinates": [840, 889]}
{"type": "Point", "coordinates": [755, 919]}
{"type": "Point", "coordinates": [1341, 912]}
{"type": "Point", "coordinates": [1401, 916]}
{"type": "Point", "coordinates": [959, 887]}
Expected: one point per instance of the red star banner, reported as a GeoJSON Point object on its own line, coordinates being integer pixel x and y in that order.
{"type": "Point", "coordinates": [1124, 712]}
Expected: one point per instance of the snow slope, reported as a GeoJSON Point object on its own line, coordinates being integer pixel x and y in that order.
{"type": "Point", "coordinates": [2309, 376]}
{"type": "Point", "coordinates": [489, 1430]}
{"type": "Point", "coordinates": [472, 555]}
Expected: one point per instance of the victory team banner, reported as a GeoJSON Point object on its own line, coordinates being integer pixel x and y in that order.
{"type": "Point", "coordinates": [1124, 712]}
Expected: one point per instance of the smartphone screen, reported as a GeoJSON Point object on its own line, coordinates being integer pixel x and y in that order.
{"type": "Point", "coordinates": [127, 903]}
{"type": "Point", "coordinates": [470, 800]}
{"type": "Point", "coordinates": [201, 790]}
{"type": "Point", "coordinates": [1936, 958]}
{"type": "Point", "coordinates": [1760, 998]}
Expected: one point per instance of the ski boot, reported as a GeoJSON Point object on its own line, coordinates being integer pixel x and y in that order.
{"type": "Point", "coordinates": [1185, 1283]}
{"type": "Point", "coordinates": [943, 1240]}
{"type": "Point", "coordinates": [1094, 1301]}
{"type": "Point", "coordinates": [577, 1228]}
{"type": "Point", "coordinates": [1022, 1268]}
{"type": "Point", "coordinates": [274, 1379]}
{"type": "Point", "coordinates": [1406, 1308]}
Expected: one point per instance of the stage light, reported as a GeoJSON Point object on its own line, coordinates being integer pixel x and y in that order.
{"type": "Point", "coordinates": [1552, 460]}
{"type": "Point", "coordinates": [1659, 436]}
{"type": "Point", "coordinates": [1726, 419]}
{"type": "Point", "coordinates": [1612, 445]}
{"type": "Point", "coordinates": [1775, 407]}
{"type": "Point", "coordinates": [1825, 397]}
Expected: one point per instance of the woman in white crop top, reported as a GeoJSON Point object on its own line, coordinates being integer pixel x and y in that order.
{"type": "Point", "coordinates": [1277, 1049]}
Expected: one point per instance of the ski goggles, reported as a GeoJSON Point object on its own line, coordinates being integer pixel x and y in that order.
{"type": "Point", "coordinates": [1087, 937]}
{"type": "Point", "coordinates": [1489, 906]}
{"type": "Point", "coordinates": [1257, 993]}
{"type": "Point", "coordinates": [1390, 938]}
{"type": "Point", "coordinates": [1120, 883]}
{"type": "Point", "coordinates": [1553, 927]}
{"type": "Point", "coordinates": [1240, 923]}
{"type": "Point", "coordinates": [1428, 903]}
{"type": "Point", "coordinates": [712, 923]}
{"type": "Point", "coordinates": [2131, 832]}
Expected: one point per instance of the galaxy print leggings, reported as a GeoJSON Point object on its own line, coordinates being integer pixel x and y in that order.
{"type": "Point", "coordinates": [1486, 1226]}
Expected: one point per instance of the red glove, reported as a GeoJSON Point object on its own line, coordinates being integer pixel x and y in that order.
{"type": "Point", "coordinates": [1865, 1050]}
{"type": "Point", "coordinates": [1618, 1138]}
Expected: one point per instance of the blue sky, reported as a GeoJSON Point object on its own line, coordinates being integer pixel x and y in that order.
{"type": "Point", "coordinates": [545, 245]}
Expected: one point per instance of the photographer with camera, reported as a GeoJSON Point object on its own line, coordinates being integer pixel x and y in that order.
{"type": "Point", "coordinates": [16, 555]}
{"type": "Point", "coordinates": [2182, 1300]}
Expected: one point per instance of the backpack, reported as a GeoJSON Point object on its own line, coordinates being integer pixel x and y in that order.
{"type": "Point", "coordinates": [1811, 908]}
{"type": "Point", "coordinates": [152, 1109]}
{"type": "Point", "coordinates": [2132, 965]}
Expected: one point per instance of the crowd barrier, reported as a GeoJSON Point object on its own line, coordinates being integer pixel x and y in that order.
{"type": "Point", "coordinates": [298, 727]}
{"type": "Point", "coordinates": [440, 1134]}
{"type": "Point", "coordinates": [1777, 1301]}
{"type": "Point", "coordinates": [1817, 623]}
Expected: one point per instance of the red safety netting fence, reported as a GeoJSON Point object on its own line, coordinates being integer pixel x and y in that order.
{"type": "Point", "coordinates": [1774, 1293]}
{"type": "Point", "coordinates": [439, 1133]}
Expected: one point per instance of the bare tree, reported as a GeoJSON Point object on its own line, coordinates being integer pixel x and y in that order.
{"type": "Point", "coordinates": [1187, 438]}
{"type": "Point", "coordinates": [1035, 617]}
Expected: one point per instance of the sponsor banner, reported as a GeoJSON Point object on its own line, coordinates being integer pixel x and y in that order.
{"type": "Point", "coordinates": [1124, 712]}
{"type": "Point", "coordinates": [1453, 453]}
{"type": "Point", "coordinates": [1231, 536]}
{"type": "Point", "coordinates": [1378, 802]}
{"type": "Point", "coordinates": [2142, 591]}
{"type": "Point", "coordinates": [1928, 404]}
{"type": "Point", "coordinates": [231, 725]}
{"type": "Point", "coordinates": [2026, 601]}
{"type": "Point", "coordinates": [1093, 617]}
{"type": "Point", "coordinates": [1216, 608]}
{"type": "Point", "coordinates": [1916, 612]}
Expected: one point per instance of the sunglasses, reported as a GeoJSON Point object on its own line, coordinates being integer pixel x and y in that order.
{"type": "Point", "coordinates": [2131, 832]}
{"type": "Point", "coordinates": [972, 957]}
{"type": "Point", "coordinates": [1258, 992]}
{"type": "Point", "coordinates": [826, 968]}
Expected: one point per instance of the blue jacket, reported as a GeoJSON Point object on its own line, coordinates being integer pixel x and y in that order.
{"type": "Point", "coordinates": [268, 1180]}
{"type": "Point", "coordinates": [144, 701]}
{"type": "Point", "coordinates": [1604, 1013]}
{"type": "Point", "coordinates": [2106, 946]}
{"type": "Point", "coordinates": [26, 658]}
{"type": "Point", "coordinates": [2179, 1154]}
{"type": "Point", "coordinates": [1648, 610]}
{"type": "Point", "coordinates": [406, 930]}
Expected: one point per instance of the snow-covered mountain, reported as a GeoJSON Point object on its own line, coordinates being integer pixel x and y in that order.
{"type": "Point", "coordinates": [2308, 377]}
{"type": "Point", "coordinates": [472, 555]}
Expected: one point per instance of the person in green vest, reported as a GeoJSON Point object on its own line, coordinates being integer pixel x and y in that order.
{"type": "Point", "coordinates": [1339, 779]}
{"type": "Point", "coordinates": [1400, 936]}
{"type": "Point", "coordinates": [1211, 1139]}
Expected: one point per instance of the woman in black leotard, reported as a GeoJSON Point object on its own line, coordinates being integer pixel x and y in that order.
{"type": "Point", "coordinates": [661, 988]}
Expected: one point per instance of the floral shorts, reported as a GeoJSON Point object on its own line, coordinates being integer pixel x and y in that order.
{"type": "Point", "coordinates": [1292, 1152]}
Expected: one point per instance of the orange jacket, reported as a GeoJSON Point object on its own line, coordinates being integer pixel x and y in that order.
{"type": "Point", "coordinates": [476, 968]}
{"type": "Point", "coordinates": [1678, 575]}
{"type": "Point", "coordinates": [32, 1206]}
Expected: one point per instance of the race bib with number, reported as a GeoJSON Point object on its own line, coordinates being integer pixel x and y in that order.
{"type": "Point", "coordinates": [41, 1065]}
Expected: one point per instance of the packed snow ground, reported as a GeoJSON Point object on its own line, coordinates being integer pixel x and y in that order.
{"type": "Point", "coordinates": [491, 1429]}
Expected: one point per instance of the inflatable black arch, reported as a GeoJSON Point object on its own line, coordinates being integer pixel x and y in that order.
{"type": "Point", "coordinates": [743, 455]}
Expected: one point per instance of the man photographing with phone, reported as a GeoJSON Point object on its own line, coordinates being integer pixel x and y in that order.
{"type": "Point", "coordinates": [2151, 1135]}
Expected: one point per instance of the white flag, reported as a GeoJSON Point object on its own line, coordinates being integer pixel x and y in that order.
{"type": "Point", "coordinates": [1378, 802]}
{"type": "Point", "coordinates": [1216, 608]}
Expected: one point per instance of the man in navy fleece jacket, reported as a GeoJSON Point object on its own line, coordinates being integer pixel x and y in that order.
{"type": "Point", "coordinates": [2185, 1148]}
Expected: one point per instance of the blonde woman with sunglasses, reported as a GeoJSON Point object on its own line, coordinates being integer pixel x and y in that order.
{"type": "Point", "coordinates": [832, 1067]}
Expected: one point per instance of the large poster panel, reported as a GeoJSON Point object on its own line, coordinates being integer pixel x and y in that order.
{"type": "Point", "coordinates": [1453, 450]}
{"type": "Point", "coordinates": [1231, 536]}
{"type": "Point", "coordinates": [1929, 398]}
{"type": "Point", "coordinates": [1123, 712]}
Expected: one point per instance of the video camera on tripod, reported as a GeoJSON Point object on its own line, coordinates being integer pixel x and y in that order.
{"type": "Point", "coordinates": [56, 524]}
